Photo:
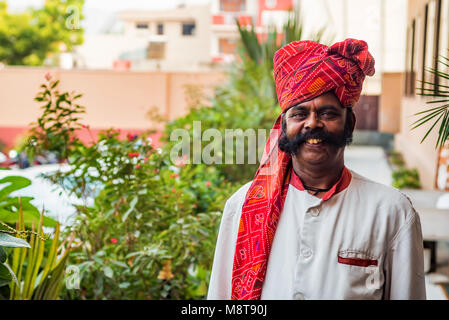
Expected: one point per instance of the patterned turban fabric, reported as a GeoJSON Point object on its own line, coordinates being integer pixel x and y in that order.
{"type": "Point", "coordinates": [303, 70]}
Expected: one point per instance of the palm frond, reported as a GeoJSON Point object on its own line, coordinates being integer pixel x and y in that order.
{"type": "Point", "coordinates": [441, 112]}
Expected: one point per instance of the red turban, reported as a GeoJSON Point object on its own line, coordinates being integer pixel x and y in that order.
{"type": "Point", "coordinates": [303, 70]}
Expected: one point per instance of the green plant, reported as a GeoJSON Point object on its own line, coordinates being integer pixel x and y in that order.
{"type": "Point", "coordinates": [27, 257]}
{"type": "Point", "coordinates": [152, 229]}
{"type": "Point", "coordinates": [406, 178]}
{"type": "Point", "coordinates": [9, 205]}
{"type": "Point", "coordinates": [39, 272]}
{"type": "Point", "coordinates": [396, 159]}
{"type": "Point", "coordinates": [7, 275]}
{"type": "Point", "coordinates": [55, 129]}
{"type": "Point", "coordinates": [435, 89]}
{"type": "Point", "coordinates": [31, 37]}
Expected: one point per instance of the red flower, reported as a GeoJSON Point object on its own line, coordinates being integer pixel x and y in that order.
{"type": "Point", "coordinates": [47, 76]}
{"type": "Point", "coordinates": [208, 184]}
{"type": "Point", "coordinates": [138, 166]}
{"type": "Point", "coordinates": [173, 190]}
{"type": "Point", "coordinates": [194, 205]}
{"type": "Point", "coordinates": [174, 175]}
{"type": "Point", "coordinates": [133, 154]}
{"type": "Point", "coordinates": [113, 240]}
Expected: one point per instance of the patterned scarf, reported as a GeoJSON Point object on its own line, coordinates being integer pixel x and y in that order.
{"type": "Point", "coordinates": [303, 70]}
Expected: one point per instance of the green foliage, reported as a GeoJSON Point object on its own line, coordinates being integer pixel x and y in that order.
{"type": "Point", "coordinates": [396, 159]}
{"type": "Point", "coordinates": [440, 92]}
{"type": "Point", "coordinates": [36, 268]}
{"type": "Point", "coordinates": [9, 206]}
{"type": "Point", "coordinates": [29, 38]}
{"type": "Point", "coordinates": [7, 275]}
{"type": "Point", "coordinates": [22, 275]}
{"type": "Point", "coordinates": [55, 129]}
{"type": "Point", "coordinates": [401, 176]}
{"type": "Point", "coordinates": [152, 230]}
{"type": "Point", "coordinates": [406, 178]}
{"type": "Point", "coordinates": [246, 102]}
{"type": "Point", "coordinates": [34, 273]}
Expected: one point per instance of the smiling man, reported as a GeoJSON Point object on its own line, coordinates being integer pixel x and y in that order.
{"type": "Point", "coordinates": [307, 227]}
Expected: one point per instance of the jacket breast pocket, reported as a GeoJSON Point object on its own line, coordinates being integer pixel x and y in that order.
{"type": "Point", "coordinates": [361, 274]}
{"type": "Point", "coordinates": [356, 258]}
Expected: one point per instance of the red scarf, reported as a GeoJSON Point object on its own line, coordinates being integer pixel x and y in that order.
{"type": "Point", "coordinates": [303, 70]}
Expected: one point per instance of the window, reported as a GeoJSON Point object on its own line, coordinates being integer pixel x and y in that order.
{"type": "Point", "coordinates": [443, 47]}
{"type": "Point", "coordinates": [227, 46]}
{"type": "Point", "coordinates": [410, 59]}
{"type": "Point", "coordinates": [188, 29]}
{"type": "Point", "coordinates": [430, 42]}
{"type": "Point", "coordinates": [141, 25]}
{"type": "Point", "coordinates": [160, 28]}
{"type": "Point", "coordinates": [233, 5]}
{"type": "Point", "coordinates": [156, 50]}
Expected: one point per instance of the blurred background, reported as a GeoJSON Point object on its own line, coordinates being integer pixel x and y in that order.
{"type": "Point", "coordinates": [145, 68]}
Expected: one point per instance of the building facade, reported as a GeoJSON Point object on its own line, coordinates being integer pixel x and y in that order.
{"type": "Point", "coordinates": [427, 42]}
{"type": "Point", "coordinates": [206, 35]}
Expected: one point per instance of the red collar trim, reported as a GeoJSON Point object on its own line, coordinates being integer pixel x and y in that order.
{"type": "Point", "coordinates": [341, 184]}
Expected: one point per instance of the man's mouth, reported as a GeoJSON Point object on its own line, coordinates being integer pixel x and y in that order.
{"type": "Point", "coordinates": [314, 141]}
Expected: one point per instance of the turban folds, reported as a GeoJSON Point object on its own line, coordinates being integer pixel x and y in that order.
{"type": "Point", "coordinates": [303, 70]}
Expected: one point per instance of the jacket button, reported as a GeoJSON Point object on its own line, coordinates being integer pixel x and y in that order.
{"type": "Point", "coordinates": [314, 212]}
{"type": "Point", "coordinates": [298, 296]}
{"type": "Point", "coordinates": [306, 252]}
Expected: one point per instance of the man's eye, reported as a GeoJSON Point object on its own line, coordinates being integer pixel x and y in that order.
{"type": "Point", "coordinates": [328, 114]}
{"type": "Point", "coordinates": [300, 115]}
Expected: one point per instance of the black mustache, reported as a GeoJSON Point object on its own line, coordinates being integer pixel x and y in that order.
{"type": "Point", "coordinates": [324, 136]}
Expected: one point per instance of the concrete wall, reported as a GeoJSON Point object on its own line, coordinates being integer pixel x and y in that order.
{"type": "Point", "coordinates": [118, 99]}
{"type": "Point", "coordinates": [390, 102]}
{"type": "Point", "coordinates": [423, 156]}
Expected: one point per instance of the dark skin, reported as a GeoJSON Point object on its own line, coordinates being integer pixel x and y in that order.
{"type": "Point", "coordinates": [319, 165]}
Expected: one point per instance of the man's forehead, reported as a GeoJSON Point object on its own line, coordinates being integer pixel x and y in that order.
{"type": "Point", "coordinates": [325, 99]}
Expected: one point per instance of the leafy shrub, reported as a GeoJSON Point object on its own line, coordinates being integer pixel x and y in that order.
{"type": "Point", "coordinates": [152, 230]}
{"type": "Point", "coordinates": [54, 130]}
{"type": "Point", "coordinates": [33, 271]}
{"type": "Point", "coordinates": [406, 178]}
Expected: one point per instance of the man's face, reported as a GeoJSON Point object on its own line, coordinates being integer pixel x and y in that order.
{"type": "Point", "coordinates": [316, 130]}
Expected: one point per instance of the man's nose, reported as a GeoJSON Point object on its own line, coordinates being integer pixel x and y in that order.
{"type": "Point", "coordinates": [312, 122]}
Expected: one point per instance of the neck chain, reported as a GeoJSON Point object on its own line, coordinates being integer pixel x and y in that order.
{"type": "Point", "coordinates": [316, 190]}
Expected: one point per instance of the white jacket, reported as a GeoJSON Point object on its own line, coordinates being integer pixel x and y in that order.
{"type": "Point", "coordinates": [365, 242]}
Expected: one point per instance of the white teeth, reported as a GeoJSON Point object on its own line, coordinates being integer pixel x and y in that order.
{"type": "Point", "coordinates": [314, 141]}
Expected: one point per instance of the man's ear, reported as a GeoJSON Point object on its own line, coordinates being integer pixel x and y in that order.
{"type": "Point", "coordinates": [354, 119]}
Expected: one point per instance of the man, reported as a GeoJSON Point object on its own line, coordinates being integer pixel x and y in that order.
{"type": "Point", "coordinates": [307, 227]}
